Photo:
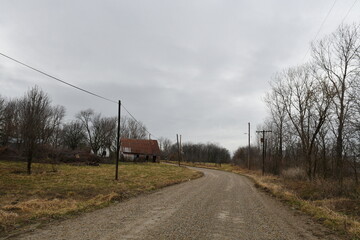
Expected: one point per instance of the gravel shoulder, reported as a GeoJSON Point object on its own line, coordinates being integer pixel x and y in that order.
{"type": "Point", "coordinates": [220, 205]}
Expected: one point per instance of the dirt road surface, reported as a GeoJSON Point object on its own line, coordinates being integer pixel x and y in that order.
{"type": "Point", "coordinates": [220, 205]}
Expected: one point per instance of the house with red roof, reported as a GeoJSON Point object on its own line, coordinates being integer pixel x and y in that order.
{"type": "Point", "coordinates": [140, 149]}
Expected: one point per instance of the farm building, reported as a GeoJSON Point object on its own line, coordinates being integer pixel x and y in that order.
{"type": "Point", "coordinates": [140, 149]}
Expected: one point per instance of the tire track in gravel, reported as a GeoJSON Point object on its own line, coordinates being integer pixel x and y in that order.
{"type": "Point", "coordinates": [220, 205]}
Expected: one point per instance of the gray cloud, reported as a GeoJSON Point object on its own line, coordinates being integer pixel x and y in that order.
{"type": "Point", "coordinates": [199, 68]}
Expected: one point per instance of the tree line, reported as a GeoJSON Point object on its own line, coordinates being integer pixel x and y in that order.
{"type": "Point", "coordinates": [314, 110]}
{"type": "Point", "coordinates": [194, 152]}
{"type": "Point", "coordinates": [31, 121]}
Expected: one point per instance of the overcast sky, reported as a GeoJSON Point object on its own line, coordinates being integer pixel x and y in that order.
{"type": "Point", "coordinates": [199, 68]}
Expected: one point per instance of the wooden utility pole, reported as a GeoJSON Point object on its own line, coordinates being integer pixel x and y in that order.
{"type": "Point", "coordinates": [178, 145]}
{"type": "Point", "coordinates": [263, 152]}
{"type": "Point", "coordinates": [181, 149]}
{"type": "Point", "coordinates": [248, 163]}
{"type": "Point", "coordinates": [118, 142]}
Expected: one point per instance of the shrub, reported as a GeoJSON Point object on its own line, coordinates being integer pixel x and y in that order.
{"type": "Point", "coordinates": [79, 158]}
{"type": "Point", "coordinates": [294, 174]}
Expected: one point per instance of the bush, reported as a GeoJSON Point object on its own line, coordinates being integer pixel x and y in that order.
{"type": "Point", "coordinates": [294, 174]}
{"type": "Point", "coordinates": [9, 153]}
{"type": "Point", "coordinates": [79, 158]}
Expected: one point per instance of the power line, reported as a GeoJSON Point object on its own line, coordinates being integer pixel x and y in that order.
{"type": "Point", "coordinates": [342, 21]}
{"type": "Point", "coordinates": [136, 120]}
{"type": "Point", "coordinates": [57, 79]}
{"type": "Point", "coordinates": [321, 26]}
{"type": "Point", "coordinates": [72, 85]}
{"type": "Point", "coordinates": [352, 6]}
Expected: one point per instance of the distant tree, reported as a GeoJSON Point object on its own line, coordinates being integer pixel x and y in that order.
{"type": "Point", "coordinates": [11, 122]}
{"type": "Point", "coordinates": [100, 131]}
{"type": "Point", "coordinates": [108, 126]}
{"type": "Point", "coordinates": [165, 146]}
{"type": "Point", "coordinates": [73, 134]}
{"type": "Point", "coordinates": [91, 124]}
{"type": "Point", "coordinates": [51, 132]}
{"type": "Point", "coordinates": [205, 153]}
{"type": "Point", "coordinates": [2, 118]}
{"type": "Point", "coordinates": [240, 156]}
{"type": "Point", "coordinates": [132, 129]}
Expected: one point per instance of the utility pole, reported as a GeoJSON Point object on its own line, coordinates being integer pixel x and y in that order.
{"type": "Point", "coordinates": [180, 149]}
{"type": "Point", "coordinates": [248, 163]}
{"type": "Point", "coordinates": [178, 145]}
{"type": "Point", "coordinates": [263, 152]}
{"type": "Point", "coordinates": [118, 142]}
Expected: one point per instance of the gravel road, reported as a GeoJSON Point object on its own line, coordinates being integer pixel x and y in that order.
{"type": "Point", "coordinates": [220, 205]}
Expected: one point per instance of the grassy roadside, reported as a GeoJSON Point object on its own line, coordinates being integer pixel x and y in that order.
{"type": "Point", "coordinates": [340, 213]}
{"type": "Point", "coordinates": [60, 191]}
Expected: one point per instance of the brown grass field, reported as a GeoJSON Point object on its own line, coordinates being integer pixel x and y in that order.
{"type": "Point", "coordinates": [59, 191]}
{"type": "Point", "coordinates": [335, 207]}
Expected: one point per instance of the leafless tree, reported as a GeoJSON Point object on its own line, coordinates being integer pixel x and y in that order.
{"type": "Point", "coordinates": [337, 56]}
{"type": "Point", "coordinates": [132, 129]}
{"type": "Point", "coordinates": [209, 152]}
{"type": "Point", "coordinates": [73, 134]}
{"type": "Point", "coordinates": [12, 122]}
{"type": "Point", "coordinates": [2, 117]}
{"type": "Point", "coordinates": [324, 145]}
{"type": "Point", "coordinates": [51, 132]}
{"type": "Point", "coordinates": [100, 131]}
{"type": "Point", "coordinates": [165, 146]}
{"type": "Point", "coordinates": [108, 126]}
{"type": "Point", "coordinates": [91, 124]}
{"type": "Point", "coordinates": [278, 118]}
{"type": "Point", "coordinates": [306, 100]}
{"type": "Point", "coordinates": [34, 113]}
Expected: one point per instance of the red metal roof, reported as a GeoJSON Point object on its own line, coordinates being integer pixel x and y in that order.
{"type": "Point", "coordinates": [140, 146]}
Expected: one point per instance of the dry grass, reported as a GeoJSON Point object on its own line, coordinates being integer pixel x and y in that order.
{"type": "Point", "coordinates": [294, 174]}
{"type": "Point", "coordinates": [337, 208]}
{"type": "Point", "coordinates": [64, 190]}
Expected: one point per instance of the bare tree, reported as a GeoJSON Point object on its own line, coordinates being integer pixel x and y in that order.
{"type": "Point", "coordinates": [306, 99]}
{"type": "Point", "coordinates": [51, 132]}
{"type": "Point", "coordinates": [324, 145]}
{"type": "Point", "coordinates": [205, 153]}
{"type": "Point", "coordinates": [91, 124]}
{"type": "Point", "coordinates": [165, 146]}
{"type": "Point", "coordinates": [11, 123]}
{"type": "Point", "coordinates": [73, 134]}
{"type": "Point", "coordinates": [34, 113]}
{"type": "Point", "coordinates": [108, 126]}
{"type": "Point", "coordinates": [278, 118]}
{"type": "Point", "coordinates": [2, 118]}
{"type": "Point", "coordinates": [100, 131]}
{"type": "Point", "coordinates": [337, 56]}
{"type": "Point", "coordinates": [132, 129]}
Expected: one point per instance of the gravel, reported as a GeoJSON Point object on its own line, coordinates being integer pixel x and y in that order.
{"type": "Point", "coordinates": [220, 205]}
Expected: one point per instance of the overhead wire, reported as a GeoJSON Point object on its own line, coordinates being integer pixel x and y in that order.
{"type": "Point", "coordinates": [72, 85]}
{"type": "Point", "coordinates": [352, 6]}
{"type": "Point", "coordinates": [321, 26]}
{"type": "Point", "coordinates": [57, 79]}
{"type": "Point", "coordinates": [136, 120]}
{"type": "Point", "coordinates": [327, 15]}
